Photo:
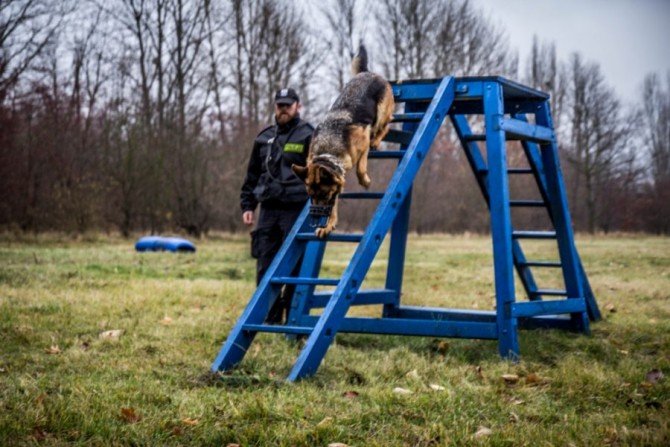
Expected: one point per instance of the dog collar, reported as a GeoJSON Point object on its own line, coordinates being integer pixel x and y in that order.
{"type": "Point", "coordinates": [330, 161]}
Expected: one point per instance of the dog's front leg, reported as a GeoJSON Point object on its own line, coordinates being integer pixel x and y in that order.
{"type": "Point", "coordinates": [330, 225]}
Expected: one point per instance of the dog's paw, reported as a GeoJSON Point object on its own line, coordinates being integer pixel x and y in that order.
{"type": "Point", "coordinates": [365, 181]}
{"type": "Point", "coordinates": [322, 233]}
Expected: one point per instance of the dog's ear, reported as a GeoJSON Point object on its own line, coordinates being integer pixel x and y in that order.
{"type": "Point", "coordinates": [300, 171]}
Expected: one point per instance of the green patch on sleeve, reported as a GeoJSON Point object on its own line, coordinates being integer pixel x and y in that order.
{"type": "Point", "coordinates": [294, 147]}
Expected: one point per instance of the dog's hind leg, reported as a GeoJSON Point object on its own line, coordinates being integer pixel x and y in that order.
{"type": "Point", "coordinates": [359, 146]}
{"type": "Point", "coordinates": [384, 114]}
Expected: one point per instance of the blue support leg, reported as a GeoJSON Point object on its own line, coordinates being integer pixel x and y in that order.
{"type": "Point", "coordinates": [561, 218]}
{"type": "Point", "coordinates": [501, 221]}
{"type": "Point", "coordinates": [238, 341]}
{"type": "Point", "coordinates": [399, 230]}
{"type": "Point", "coordinates": [534, 156]}
{"type": "Point", "coordinates": [476, 161]}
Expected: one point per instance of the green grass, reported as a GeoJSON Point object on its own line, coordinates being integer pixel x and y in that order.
{"type": "Point", "coordinates": [572, 389]}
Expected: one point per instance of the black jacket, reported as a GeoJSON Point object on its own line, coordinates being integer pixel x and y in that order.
{"type": "Point", "coordinates": [269, 178]}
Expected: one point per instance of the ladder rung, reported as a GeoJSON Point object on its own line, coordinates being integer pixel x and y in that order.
{"type": "Point", "coordinates": [534, 234]}
{"type": "Point", "coordinates": [527, 203]}
{"type": "Point", "coordinates": [475, 137]}
{"type": "Point", "coordinates": [386, 154]}
{"type": "Point", "coordinates": [277, 328]}
{"type": "Point", "coordinates": [509, 171]}
{"type": "Point", "coordinates": [540, 264]}
{"type": "Point", "coordinates": [482, 137]}
{"type": "Point", "coordinates": [399, 136]}
{"type": "Point", "coordinates": [407, 117]}
{"type": "Point", "coordinates": [361, 195]}
{"type": "Point", "coordinates": [557, 307]}
{"type": "Point", "coordinates": [549, 292]}
{"type": "Point", "coordinates": [305, 281]}
{"type": "Point", "coordinates": [332, 237]}
{"type": "Point", "coordinates": [525, 131]}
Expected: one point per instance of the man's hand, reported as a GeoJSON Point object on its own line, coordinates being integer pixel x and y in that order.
{"type": "Point", "coordinates": [248, 217]}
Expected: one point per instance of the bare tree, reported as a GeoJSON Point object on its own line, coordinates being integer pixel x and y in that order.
{"type": "Point", "coordinates": [468, 44]}
{"type": "Point", "coordinates": [544, 73]}
{"type": "Point", "coordinates": [344, 26]}
{"type": "Point", "coordinates": [26, 27]}
{"type": "Point", "coordinates": [599, 133]}
{"type": "Point", "coordinates": [656, 136]}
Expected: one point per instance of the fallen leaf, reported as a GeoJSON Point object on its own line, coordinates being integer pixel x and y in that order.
{"type": "Point", "coordinates": [114, 334]}
{"type": "Point", "coordinates": [436, 387]}
{"type": "Point", "coordinates": [483, 431]}
{"type": "Point", "coordinates": [610, 308]}
{"type": "Point", "coordinates": [39, 434]}
{"type": "Point", "coordinates": [533, 379]}
{"type": "Point", "coordinates": [510, 379]}
{"type": "Point", "coordinates": [130, 416]}
{"type": "Point", "coordinates": [325, 421]}
{"type": "Point", "coordinates": [189, 421]}
{"type": "Point", "coordinates": [517, 402]}
{"type": "Point", "coordinates": [623, 352]}
{"type": "Point", "coordinates": [513, 417]}
{"type": "Point", "coordinates": [442, 347]}
{"type": "Point", "coordinates": [337, 444]}
{"type": "Point", "coordinates": [350, 394]}
{"type": "Point", "coordinates": [654, 376]}
{"type": "Point", "coordinates": [232, 444]}
{"type": "Point", "coordinates": [52, 350]}
{"type": "Point", "coordinates": [398, 390]}
{"type": "Point", "coordinates": [166, 320]}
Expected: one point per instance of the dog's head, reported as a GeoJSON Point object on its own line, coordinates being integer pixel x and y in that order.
{"type": "Point", "coordinates": [323, 183]}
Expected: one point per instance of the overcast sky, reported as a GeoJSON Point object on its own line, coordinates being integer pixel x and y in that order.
{"type": "Point", "coordinates": [629, 38]}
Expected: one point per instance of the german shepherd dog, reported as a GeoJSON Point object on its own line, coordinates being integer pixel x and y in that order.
{"type": "Point", "coordinates": [356, 123]}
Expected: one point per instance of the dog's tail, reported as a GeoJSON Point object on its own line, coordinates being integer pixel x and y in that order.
{"type": "Point", "coordinates": [359, 63]}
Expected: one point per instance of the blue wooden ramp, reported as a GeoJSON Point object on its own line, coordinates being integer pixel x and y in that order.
{"type": "Point", "coordinates": [510, 112]}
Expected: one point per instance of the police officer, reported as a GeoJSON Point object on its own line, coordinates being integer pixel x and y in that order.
{"type": "Point", "coordinates": [271, 182]}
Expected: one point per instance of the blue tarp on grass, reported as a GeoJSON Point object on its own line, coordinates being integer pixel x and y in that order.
{"type": "Point", "coordinates": [159, 243]}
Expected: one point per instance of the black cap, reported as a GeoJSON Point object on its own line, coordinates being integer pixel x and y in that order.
{"type": "Point", "coordinates": [286, 96]}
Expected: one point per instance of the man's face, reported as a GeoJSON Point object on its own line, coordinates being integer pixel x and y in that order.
{"type": "Point", "coordinates": [286, 112]}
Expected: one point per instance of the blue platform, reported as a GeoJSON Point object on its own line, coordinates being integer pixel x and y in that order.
{"type": "Point", "coordinates": [505, 111]}
{"type": "Point", "coordinates": [159, 243]}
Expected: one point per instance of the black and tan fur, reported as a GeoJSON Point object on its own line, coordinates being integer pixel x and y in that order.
{"type": "Point", "coordinates": [357, 121]}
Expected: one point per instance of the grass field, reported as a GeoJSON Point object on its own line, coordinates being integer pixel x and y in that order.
{"type": "Point", "coordinates": [62, 382]}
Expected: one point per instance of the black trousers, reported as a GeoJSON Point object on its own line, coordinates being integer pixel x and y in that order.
{"type": "Point", "coordinates": [273, 227]}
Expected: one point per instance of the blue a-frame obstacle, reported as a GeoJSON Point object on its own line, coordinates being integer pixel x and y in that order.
{"type": "Point", "coordinates": [511, 112]}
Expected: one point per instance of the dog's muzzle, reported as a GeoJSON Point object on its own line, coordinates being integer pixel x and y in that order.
{"type": "Point", "coordinates": [319, 214]}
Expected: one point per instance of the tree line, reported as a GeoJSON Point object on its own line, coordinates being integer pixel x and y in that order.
{"type": "Point", "coordinates": [139, 115]}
